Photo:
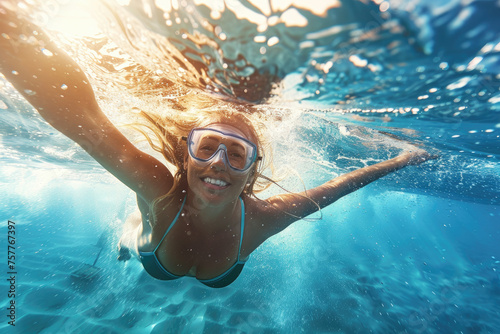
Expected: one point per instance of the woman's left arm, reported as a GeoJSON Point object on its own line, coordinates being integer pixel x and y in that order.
{"type": "Point", "coordinates": [283, 210]}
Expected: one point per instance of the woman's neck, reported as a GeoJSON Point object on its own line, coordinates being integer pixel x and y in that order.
{"type": "Point", "coordinates": [211, 217]}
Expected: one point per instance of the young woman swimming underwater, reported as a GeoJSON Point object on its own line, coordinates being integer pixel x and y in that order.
{"type": "Point", "coordinates": [201, 220]}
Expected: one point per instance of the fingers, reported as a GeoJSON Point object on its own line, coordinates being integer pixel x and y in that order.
{"type": "Point", "coordinates": [418, 156]}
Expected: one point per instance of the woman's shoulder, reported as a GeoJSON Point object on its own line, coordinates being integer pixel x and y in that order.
{"type": "Point", "coordinates": [162, 210]}
{"type": "Point", "coordinates": [258, 208]}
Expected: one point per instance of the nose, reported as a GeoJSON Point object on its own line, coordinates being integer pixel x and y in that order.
{"type": "Point", "coordinates": [219, 161]}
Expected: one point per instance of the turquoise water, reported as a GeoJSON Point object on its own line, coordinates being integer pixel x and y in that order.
{"type": "Point", "coordinates": [415, 252]}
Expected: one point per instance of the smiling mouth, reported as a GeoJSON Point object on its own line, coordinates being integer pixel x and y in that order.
{"type": "Point", "coordinates": [215, 182]}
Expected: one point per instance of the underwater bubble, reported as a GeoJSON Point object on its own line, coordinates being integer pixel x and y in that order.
{"type": "Point", "coordinates": [273, 41]}
{"type": "Point", "coordinates": [358, 61]}
{"type": "Point", "coordinates": [64, 87]}
{"type": "Point", "coordinates": [47, 52]}
{"type": "Point", "coordinates": [29, 92]}
{"type": "Point", "coordinates": [462, 82]}
{"type": "Point", "coordinates": [259, 39]}
{"type": "Point", "coordinates": [214, 14]}
{"type": "Point", "coordinates": [494, 99]}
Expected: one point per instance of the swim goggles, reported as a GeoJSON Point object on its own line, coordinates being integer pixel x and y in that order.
{"type": "Point", "coordinates": [205, 145]}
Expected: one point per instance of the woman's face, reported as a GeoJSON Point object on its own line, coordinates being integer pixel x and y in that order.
{"type": "Point", "coordinates": [216, 183]}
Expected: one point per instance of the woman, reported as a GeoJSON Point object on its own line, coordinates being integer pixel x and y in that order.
{"type": "Point", "coordinates": [202, 221]}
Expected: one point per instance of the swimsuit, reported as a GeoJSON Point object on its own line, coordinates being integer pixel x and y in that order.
{"type": "Point", "coordinates": [153, 266]}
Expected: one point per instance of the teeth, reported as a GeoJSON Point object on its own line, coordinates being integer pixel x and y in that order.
{"type": "Point", "coordinates": [216, 182]}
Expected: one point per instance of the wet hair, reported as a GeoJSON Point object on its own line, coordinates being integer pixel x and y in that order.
{"type": "Point", "coordinates": [164, 133]}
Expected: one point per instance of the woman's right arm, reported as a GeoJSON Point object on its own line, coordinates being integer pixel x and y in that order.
{"type": "Point", "coordinates": [57, 87]}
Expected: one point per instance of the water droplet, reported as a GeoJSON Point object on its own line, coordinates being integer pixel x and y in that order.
{"type": "Point", "coordinates": [214, 14]}
{"type": "Point", "coordinates": [15, 72]}
{"type": "Point", "coordinates": [47, 52]}
{"type": "Point", "coordinates": [273, 41]}
{"type": "Point", "coordinates": [29, 92]}
{"type": "Point", "coordinates": [64, 87]}
{"type": "Point", "coordinates": [259, 39]}
{"type": "Point", "coordinates": [443, 66]}
{"type": "Point", "coordinates": [263, 50]}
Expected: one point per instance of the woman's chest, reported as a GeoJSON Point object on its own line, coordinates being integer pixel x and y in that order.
{"type": "Point", "coordinates": [187, 250]}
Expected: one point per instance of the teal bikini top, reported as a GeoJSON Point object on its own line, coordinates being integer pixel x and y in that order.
{"type": "Point", "coordinates": [153, 266]}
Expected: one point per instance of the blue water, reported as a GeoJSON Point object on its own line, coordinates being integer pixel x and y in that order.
{"type": "Point", "coordinates": [415, 252]}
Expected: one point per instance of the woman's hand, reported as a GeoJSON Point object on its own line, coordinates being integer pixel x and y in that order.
{"type": "Point", "coordinates": [416, 156]}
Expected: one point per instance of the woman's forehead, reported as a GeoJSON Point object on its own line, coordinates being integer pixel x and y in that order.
{"type": "Point", "coordinates": [229, 129]}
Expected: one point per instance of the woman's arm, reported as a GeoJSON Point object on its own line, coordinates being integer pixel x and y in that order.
{"type": "Point", "coordinates": [57, 87]}
{"type": "Point", "coordinates": [283, 210]}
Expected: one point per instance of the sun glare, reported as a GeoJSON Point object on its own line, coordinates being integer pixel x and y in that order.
{"type": "Point", "coordinates": [74, 18]}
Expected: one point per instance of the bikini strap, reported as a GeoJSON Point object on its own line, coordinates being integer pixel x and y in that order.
{"type": "Point", "coordinates": [242, 226]}
{"type": "Point", "coordinates": [171, 225]}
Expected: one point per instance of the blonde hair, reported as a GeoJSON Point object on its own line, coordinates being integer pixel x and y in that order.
{"type": "Point", "coordinates": [164, 134]}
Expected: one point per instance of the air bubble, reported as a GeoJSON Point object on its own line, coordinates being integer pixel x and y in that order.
{"type": "Point", "coordinates": [273, 41]}
{"type": "Point", "coordinates": [47, 52]}
{"type": "Point", "coordinates": [64, 87]}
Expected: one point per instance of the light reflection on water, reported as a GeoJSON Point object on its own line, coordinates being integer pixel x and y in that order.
{"type": "Point", "coordinates": [368, 65]}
